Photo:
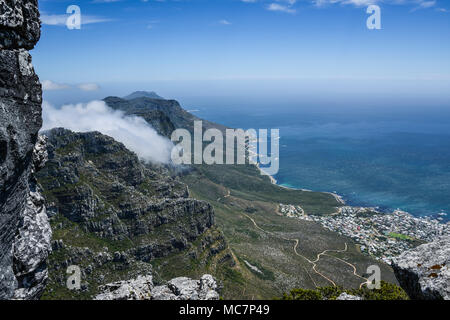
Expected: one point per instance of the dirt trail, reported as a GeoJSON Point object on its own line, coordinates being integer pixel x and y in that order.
{"type": "Point", "coordinates": [313, 263]}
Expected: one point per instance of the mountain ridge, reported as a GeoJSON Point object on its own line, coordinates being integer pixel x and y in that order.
{"type": "Point", "coordinates": [246, 203]}
{"type": "Point", "coordinates": [115, 216]}
{"type": "Point", "coordinates": [164, 115]}
{"type": "Point", "coordinates": [143, 94]}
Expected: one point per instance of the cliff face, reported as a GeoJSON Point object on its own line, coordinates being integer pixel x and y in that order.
{"type": "Point", "coordinates": [424, 272]}
{"type": "Point", "coordinates": [19, 24]}
{"type": "Point", "coordinates": [142, 288]}
{"type": "Point", "coordinates": [164, 115]}
{"type": "Point", "coordinates": [24, 230]}
{"type": "Point", "coordinates": [116, 217]}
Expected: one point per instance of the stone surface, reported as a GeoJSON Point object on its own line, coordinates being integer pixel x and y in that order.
{"type": "Point", "coordinates": [19, 24]}
{"type": "Point", "coordinates": [32, 243]}
{"type": "Point", "coordinates": [164, 115]}
{"type": "Point", "coordinates": [142, 288]}
{"type": "Point", "coordinates": [136, 289]}
{"type": "Point", "coordinates": [129, 212]}
{"type": "Point", "coordinates": [346, 296]}
{"type": "Point", "coordinates": [22, 212]}
{"type": "Point", "coordinates": [424, 272]}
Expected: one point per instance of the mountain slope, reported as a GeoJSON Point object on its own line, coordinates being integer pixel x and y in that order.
{"type": "Point", "coordinates": [140, 94]}
{"type": "Point", "coordinates": [163, 115]}
{"type": "Point", "coordinates": [274, 253]}
{"type": "Point", "coordinates": [117, 218]}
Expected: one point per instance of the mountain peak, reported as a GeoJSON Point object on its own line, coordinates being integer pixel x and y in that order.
{"type": "Point", "coordinates": [146, 94]}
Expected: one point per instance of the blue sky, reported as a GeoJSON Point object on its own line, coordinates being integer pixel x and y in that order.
{"type": "Point", "coordinates": [199, 50]}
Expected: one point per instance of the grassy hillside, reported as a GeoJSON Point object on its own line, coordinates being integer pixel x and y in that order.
{"type": "Point", "coordinates": [246, 207]}
{"type": "Point", "coordinates": [273, 254]}
{"type": "Point", "coordinates": [116, 218]}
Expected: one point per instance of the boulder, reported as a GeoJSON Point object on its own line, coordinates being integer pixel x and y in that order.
{"type": "Point", "coordinates": [346, 296]}
{"type": "Point", "coordinates": [142, 288]}
{"type": "Point", "coordinates": [424, 272]}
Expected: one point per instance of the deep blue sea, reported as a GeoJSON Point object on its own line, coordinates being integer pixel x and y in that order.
{"type": "Point", "coordinates": [378, 159]}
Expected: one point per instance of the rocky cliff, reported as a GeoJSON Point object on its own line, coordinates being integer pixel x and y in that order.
{"type": "Point", "coordinates": [164, 115]}
{"type": "Point", "coordinates": [142, 288]}
{"type": "Point", "coordinates": [24, 229]}
{"type": "Point", "coordinates": [118, 218]}
{"type": "Point", "coordinates": [424, 272]}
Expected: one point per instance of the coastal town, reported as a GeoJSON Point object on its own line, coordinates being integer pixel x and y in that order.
{"type": "Point", "coordinates": [382, 235]}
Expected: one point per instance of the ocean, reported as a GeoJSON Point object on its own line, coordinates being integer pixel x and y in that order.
{"type": "Point", "coordinates": [376, 159]}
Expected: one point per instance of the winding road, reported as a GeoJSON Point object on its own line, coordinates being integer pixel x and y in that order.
{"type": "Point", "coordinates": [313, 263]}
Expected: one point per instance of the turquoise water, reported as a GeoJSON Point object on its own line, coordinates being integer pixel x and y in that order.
{"type": "Point", "coordinates": [389, 162]}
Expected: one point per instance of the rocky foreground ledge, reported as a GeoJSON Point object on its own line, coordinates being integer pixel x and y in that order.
{"type": "Point", "coordinates": [24, 229]}
{"type": "Point", "coordinates": [142, 288]}
{"type": "Point", "coordinates": [424, 272]}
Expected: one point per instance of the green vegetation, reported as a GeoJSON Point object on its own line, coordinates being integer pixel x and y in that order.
{"type": "Point", "coordinates": [239, 192]}
{"type": "Point", "coordinates": [387, 291]}
{"type": "Point", "coordinates": [400, 236]}
{"type": "Point", "coordinates": [246, 182]}
{"type": "Point", "coordinates": [264, 255]}
{"type": "Point", "coordinates": [106, 217]}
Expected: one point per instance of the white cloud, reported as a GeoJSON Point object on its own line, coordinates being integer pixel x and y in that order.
{"type": "Point", "coordinates": [224, 22]}
{"type": "Point", "coordinates": [427, 4]}
{"type": "Point", "coordinates": [280, 8]}
{"type": "Point", "coordinates": [48, 85]}
{"type": "Point", "coordinates": [134, 132]}
{"type": "Point", "coordinates": [105, 1]}
{"type": "Point", "coordinates": [359, 3]}
{"type": "Point", "coordinates": [60, 19]}
{"type": "Point", "coordinates": [88, 86]}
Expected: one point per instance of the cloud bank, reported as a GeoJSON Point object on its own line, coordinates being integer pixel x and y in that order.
{"type": "Point", "coordinates": [282, 6]}
{"type": "Point", "coordinates": [88, 86]}
{"type": "Point", "coordinates": [359, 3]}
{"type": "Point", "coordinates": [134, 132]}
{"type": "Point", "coordinates": [61, 19]}
{"type": "Point", "coordinates": [49, 85]}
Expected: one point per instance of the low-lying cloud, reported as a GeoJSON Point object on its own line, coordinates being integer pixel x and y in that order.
{"type": "Point", "coordinates": [88, 86]}
{"type": "Point", "coordinates": [61, 19]}
{"type": "Point", "coordinates": [134, 132]}
{"type": "Point", "coordinates": [49, 85]}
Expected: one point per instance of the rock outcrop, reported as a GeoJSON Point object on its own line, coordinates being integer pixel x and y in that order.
{"type": "Point", "coordinates": [135, 289]}
{"type": "Point", "coordinates": [19, 24]}
{"type": "Point", "coordinates": [142, 288]}
{"type": "Point", "coordinates": [163, 115]}
{"type": "Point", "coordinates": [32, 243]}
{"type": "Point", "coordinates": [114, 216]}
{"type": "Point", "coordinates": [424, 272]}
{"type": "Point", "coordinates": [346, 296]}
{"type": "Point", "coordinates": [24, 230]}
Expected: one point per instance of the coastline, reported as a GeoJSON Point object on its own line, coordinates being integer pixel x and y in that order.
{"type": "Point", "coordinates": [342, 202]}
{"type": "Point", "coordinates": [264, 173]}
{"type": "Point", "coordinates": [338, 197]}
{"type": "Point", "coordinates": [383, 235]}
